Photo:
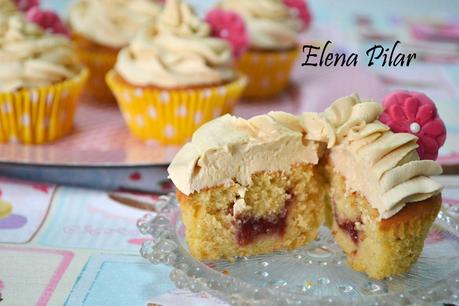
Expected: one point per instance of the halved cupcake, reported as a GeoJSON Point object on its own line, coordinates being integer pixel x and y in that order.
{"type": "Point", "coordinates": [254, 186]}
{"type": "Point", "coordinates": [248, 187]}
{"type": "Point", "coordinates": [383, 200]}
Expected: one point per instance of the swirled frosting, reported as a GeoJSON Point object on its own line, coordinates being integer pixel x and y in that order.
{"type": "Point", "coordinates": [30, 57]}
{"type": "Point", "coordinates": [381, 165]}
{"type": "Point", "coordinates": [177, 52]}
{"type": "Point", "coordinates": [231, 149]}
{"type": "Point", "coordinates": [270, 23]}
{"type": "Point", "coordinates": [112, 23]}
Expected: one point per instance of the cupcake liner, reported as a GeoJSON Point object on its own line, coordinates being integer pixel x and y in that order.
{"type": "Point", "coordinates": [268, 72]}
{"type": "Point", "coordinates": [40, 115]}
{"type": "Point", "coordinates": [99, 62]}
{"type": "Point", "coordinates": [171, 116]}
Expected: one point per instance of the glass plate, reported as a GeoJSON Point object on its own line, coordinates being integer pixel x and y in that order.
{"type": "Point", "coordinates": [315, 274]}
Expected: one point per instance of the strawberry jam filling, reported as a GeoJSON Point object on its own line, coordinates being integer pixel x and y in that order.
{"type": "Point", "coordinates": [249, 228]}
{"type": "Point", "coordinates": [347, 225]}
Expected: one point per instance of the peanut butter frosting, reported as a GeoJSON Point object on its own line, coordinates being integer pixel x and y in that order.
{"type": "Point", "coordinates": [177, 52]}
{"type": "Point", "coordinates": [270, 23]}
{"type": "Point", "coordinates": [112, 23]}
{"type": "Point", "coordinates": [381, 165]}
{"type": "Point", "coordinates": [229, 150]}
{"type": "Point", "coordinates": [31, 57]}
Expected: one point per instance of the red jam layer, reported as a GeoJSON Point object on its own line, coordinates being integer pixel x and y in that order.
{"type": "Point", "coordinates": [249, 229]}
{"type": "Point", "coordinates": [347, 225]}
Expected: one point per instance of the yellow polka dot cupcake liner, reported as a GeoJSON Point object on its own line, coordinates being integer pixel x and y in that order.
{"type": "Point", "coordinates": [99, 64]}
{"type": "Point", "coordinates": [171, 116]}
{"type": "Point", "coordinates": [5, 209]}
{"type": "Point", "coordinates": [268, 72]}
{"type": "Point", "coordinates": [40, 115]}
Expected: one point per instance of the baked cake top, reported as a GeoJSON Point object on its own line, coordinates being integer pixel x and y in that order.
{"type": "Point", "coordinates": [382, 165]}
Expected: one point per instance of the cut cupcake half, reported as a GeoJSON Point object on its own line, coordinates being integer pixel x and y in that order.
{"type": "Point", "coordinates": [278, 210]}
{"type": "Point", "coordinates": [249, 186]}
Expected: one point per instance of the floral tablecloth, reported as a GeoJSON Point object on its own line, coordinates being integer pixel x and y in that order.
{"type": "Point", "coordinates": [71, 246]}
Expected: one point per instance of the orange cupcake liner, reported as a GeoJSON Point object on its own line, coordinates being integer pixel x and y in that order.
{"type": "Point", "coordinates": [40, 115]}
{"type": "Point", "coordinates": [99, 62]}
{"type": "Point", "coordinates": [268, 72]}
{"type": "Point", "coordinates": [171, 116]}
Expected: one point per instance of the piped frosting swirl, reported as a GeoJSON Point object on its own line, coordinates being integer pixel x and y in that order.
{"type": "Point", "coordinates": [30, 57]}
{"type": "Point", "coordinates": [112, 23]}
{"type": "Point", "coordinates": [177, 52]}
{"type": "Point", "coordinates": [271, 24]}
{"type": "Point", "coordinates": [381, 165]}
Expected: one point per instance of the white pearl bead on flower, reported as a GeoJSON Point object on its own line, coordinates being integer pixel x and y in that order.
{"type": "Point", "coordinates": [415, 127]}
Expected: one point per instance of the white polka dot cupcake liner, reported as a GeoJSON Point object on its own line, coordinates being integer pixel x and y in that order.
{"type": "Point", "coordinates": [171, 116]}
{"type": "Point", "coordinates": [268, 72]}
{"type": "Point", "coordinates": [40, 115]}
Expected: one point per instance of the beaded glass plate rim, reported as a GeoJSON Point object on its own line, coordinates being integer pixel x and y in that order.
{"type": "Point", "coordinates": [189, 273]}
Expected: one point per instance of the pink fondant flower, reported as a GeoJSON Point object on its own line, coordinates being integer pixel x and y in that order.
{"type": "Point", "coordinates": [47, 19]}
{"type": "Point", "coordinates": [25, 5]}
{"type": "Point", "coordinates": [300, 8]}
{"type": "Point", "coordinates": [231, 27]}
{"type": "Point", "coordinates": [415, 113]}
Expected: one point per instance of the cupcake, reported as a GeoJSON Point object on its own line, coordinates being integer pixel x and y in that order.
{"type": "Point", "coordinates": [174, 77]}
{"type": "Point", "coordinates": [40, 83]}
{"type": "Point", "coordinates": [249, 187]}
{"type": "Point", "coordinates": [273, 48]}
{"type": "Point", "coordinates": [101, 28]}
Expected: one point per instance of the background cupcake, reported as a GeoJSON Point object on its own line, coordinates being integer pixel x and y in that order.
{"type": "Point", "coordinates": [174, 77]}
{"type": "Point", "coordinates": [273, 29]}
{"type": "Point", "coordinates": [101, 28]}
{"type": "Point", "coordinates": [40, 82]}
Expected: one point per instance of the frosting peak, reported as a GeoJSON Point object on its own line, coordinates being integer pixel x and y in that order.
{"type": "Point", "coordinates": [271, 23]}
{"type": "Point", "coordinates": [179, 19]}
{"type": "Point", "coordinates": [112, 23]}
{"type": "Point", "coordinates": [177, 52]}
